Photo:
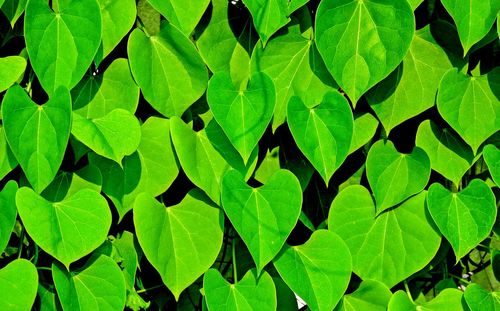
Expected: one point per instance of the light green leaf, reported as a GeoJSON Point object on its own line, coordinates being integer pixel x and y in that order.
{"type": "Point", "coordinates": [296, 68]}
{"type": "Point", "coordinates": [450, 156]}
{"type": "Point", "coordinates": [415, 3]}
{"type": "Point", "coordinates": [245, 114]}
{"type": "Point", "coordinates": [449, 299]}
{"type": "Point", "coordinates": [369, 296]}
{"type": "Point", "coordinates": [317, 271]}
{"type": "Point", "coordinates": [184, 15]}
{"type": "Point", "coordinates": [97, 95]}
{"type": "Point", "coordinates": [474, 18]}
{"type": "Point", "coordinates": [250, 293]}
{"type": "Point", "coordinates": [464, 218]}
{"type": "Point", "coordinates": [470, 106]}
{"type": "Point", "coordinates": [395, 176]}
{"type": "Point", "coordinates": [18, 285]}
{"type": "Point", "coordinates": [387, 248]}
{"type": "Point", "coordinates": [168, 69]}
{"type": "Point", "coordinates": [362, 41]}
{"type": "Point", "coordinates": [62, 44]}
{"type": "Point", "coordinates": [8, 213]}
{"type": "Point", "coordinates": [113, 136]}
{"type": "Point", "coordinates": [118, 17]}
{"type": "Point", "coordinates": [323, 133]}
{"type": "Point", "coordinates": [188, 234]}
{"type": "Point", "coordinates": [99, 285]}
{"type": "Point", "coordinates": [11, 69]}
{"type": "Point", "coordinates": [263, 217]}
{"type": "Point", "coordinates": [7, 159]}
{"type": "Point", "coordinates": [269, 165]}
{"type": "Point", "coordinates": [268, 16]}
{"type": "Point", "coordinates": [37, 135]}
{"type": "Point", "coordinates": [479, 299]}
{"type": "Point", "coordinates": [411, 88]}
{"type": "Point", "coordinates": [491, 155]}
{"type": "Point", "coordinates": [13, 9]}
{"type": "Point", "coordinates": [69, 229]}
{"type": "Point", "coordinates": [364, 128]}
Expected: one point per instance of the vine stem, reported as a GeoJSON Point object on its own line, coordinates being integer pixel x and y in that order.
{"type": "Point", "coordinates": [235, 273]}
{"type": "Point", "coordinates": [140, 291]}
{"type": "Point", "coordinates": [408, 291]}
{"type": "Point", "coordinates": [20, 248]}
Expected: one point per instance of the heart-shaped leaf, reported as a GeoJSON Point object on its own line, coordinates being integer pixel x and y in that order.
{"type": "Point", "coordinates": [362, 41]}
{"type": "Point", "coordinates": [395, 176]}
{"type": "Point", "coordinates": [168, 69]}
{"type": "Point", "coordinates": [11, 69]}
{"type": "Point", "coordinates": [69, 229]}
{"type": "Point", "coordinates": [364, 127]}
{"type": "Point", "coordinates": [242, 114]}
{"type": "Point", "coordinates": [188, 234]}
{"type": "Point", "coordinates": [37, 135]}
{"type": "Point", "coordinates": [369, 296]}
{"type": "Point", "coordinates": [317, 271]}
{"type": "Point", "coordinates": [184, 15]}
{"type": "Point", "coordinates": [479, 299]}
{"type": "Point", "coordinates": [449, 299]}
{"type": "Point", "coordinates": [250, 293]}
{"type": "Point", "coordinates": [450, 156]}
{"type": "Point", "coordinates": [62, 44]}
{"type": "Point", "coordinates": [323, 133]}
{"type": "Point", "coordinates": [99, 285]}
{"type": "Point", "coordinates": [389, 247]}
{"type": "Point", "coordinates": [465, 218]}
{"type": "Point", "coordinates": [491, 155]}
{"type": "Point", "coordinates": [263, 217]}
{"type": "Point", "coordinates": [8, 213]}
{"type": "Point", "coordinates": [470, 106]}
{"type": "Point", "coordinates": [113, 136]}
{"type": "Point", "coordinates": [18, 285]}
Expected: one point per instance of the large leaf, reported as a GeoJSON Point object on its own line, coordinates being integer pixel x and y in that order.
{"type": "Point", "coordinates": [362, 41]}
{"type": "Point", "coordinates": [62, 43]}
{"type": "Point", "coordinates": [188, 234]}
{"type": "Point", "coordinates": [491, 155]}
{"type": "Point", "coordinates": [18, 285]}
{"type": "Point", "coordinates": [250, 293]}
{"type": "Point", "coordinates": [8, 213]}
{"type": "Point", "coordinates": [464, 218]}
{"type": "Point", "coordinates": [113, 136]}
{"type": "Point", "coordinates": [369, 296]}
{"type": "Point", "coordinates": [242, 114]}
{"type": "Point", "coordinates": [448, 300]}
{"type": "Point", "coordinates": [470, 106]}
{"type": "Point", "coordinates": [323, 133]}
{"type": "Point", "coordinates": [411, 88]}
{"type": "Point", "coordinates": [69, 229]}
{"type": "Point", "coordinates": [387, 248]}
{"type": "Point", "coordinates": [317, 271]}
{"type": "Point", "coordinates": [479, 299]}
{"type": "Point", "coordinates": [184, 15]}
{"type": "Point", "coordinates": [99, 285]}
{"type": "Point", "coordinates": [263, 217]}
{"type": "Point", "coordinates": [37, 135]}
{"type": "Point", "coordinates": [11, 69]}
{"type": "Point", "coordinates": [168, 69]}
{"type": "Point", "coordinates": [395, 176]}
{"type": "Point", "coordinates": [474, 18]}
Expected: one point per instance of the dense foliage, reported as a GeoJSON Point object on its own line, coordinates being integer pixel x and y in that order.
{"type": "Point", "coordinates": [215, 155]}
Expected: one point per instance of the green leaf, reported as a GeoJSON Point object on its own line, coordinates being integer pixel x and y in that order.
{"type": "Point", "coordinates": [491, 155]}
{"type": "Point", "coordinates": [250, 293]}
{"type": "Point", "coordinates": [13, 9]}
{"type": "Point", "coordinates": [66, 184]}
{"type": "Point", "coordinates": [464, 218]}
{"type": "Point", "coordinates": [245, 114]}
{"type": "Point", "coordinates": [286, 299]}
{"type": "Point", "coordinates": [364, 128]}
{"type": "Point", "coordinates": [8, 213]}
{"type": "Point", "coordinates": [37, 135]}
{"type": "Point", "coordinates": [411, 88]}
{"type": "Point", "coordinates": [184, 15]}
{"type": "Point", "coordinates": [323, 133]}
{"type": "Point", "coordinates": [96, 96]}
{"type": "Point", "coordinates": [18, 285]}
{"type": "Point", "coordinates": [7, 159]}
{"type": "Point", "coordinates": [474, 18]}
{"type": "Point", "coordinates": [415, 3]}
{"type": "Point", "coordinates": [48, 297]}
{"type": "Point", "coordinates": [296, 68]}
{"type": "Point", "coordinates": [450, 156]}
{"type": "Point", "coordinates": [395, 176]}
{"type": "Point", "coordinates": [188, 234]}
{"type": "Point", "coordinates": [113, 136]}
{"type": "Point", "coordinates": [168, 69]}
{"type": "Point", "coordinates": [263, 217]}
{"type": "Point", "coordinates": [317, 271]}
{"type": "Point", "coordinates": [387, 248]}
{"type": "Point", "coordinates": [449, 299]}
{"type": "Point", "coordinates": [62, 44]}
{"type": "Point", "coordinates": [269, 165]}
{"type": "Point", "coordinates": [268, 16]}
{"type": "Point", "coordinates": [362, 41]}
{"type": "Point", "coordinates": [11, 69]}
{"type": "Point", "coordinates": [99, 285]}
{"type": "Point", "coordinates": [369, 296]}
{"type": "Point", "coordinates": [69, 229]}
{"type": "Point", "coordinates": [479, 299]}
{"type": "Point", "coordinates": [470, 106]}
{"type": "Point", "coordinates": [118, 17]}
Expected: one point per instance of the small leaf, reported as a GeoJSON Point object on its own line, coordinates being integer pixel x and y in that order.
{"type": "Point", "coordinates": [479, 299]}
{"type": "Point", "coordinates": [465, 218]}
{"type": "Point", "coordinates": [11, 69]}
{"type": "Point", "coordinates": [364, 128]}
{"type": "Point", "coordinates": [268, 16]}
{"type": "Point", "coordinates": [7, 159]}
{"type": "Point", "coordinates": [69, 229]}
{"type": "Point", "coordinates": [8, 213]}
{"type": "Point", "coordinates": [491, 155]}
{"type": "Point", "coordinates": [448, 300]}
{"type": "Point", "coordinates": [317, 271]}
{"type": "Point", "coordinates": [18, 285]}
{"type": "Point", "coordinates": [369, 296]}
{"type": "Point", "coordinates": [13, 9]}
{"type": "Point", "coordinates": [184, 15]}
